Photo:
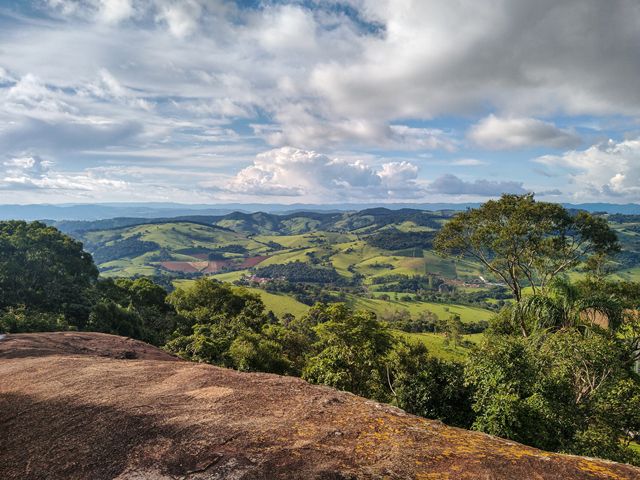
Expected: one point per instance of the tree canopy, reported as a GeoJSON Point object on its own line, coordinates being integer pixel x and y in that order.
{"type": "Point", "coordinates": [561, 392]}
{"type": "Point", "coordinates": [524, 242]}
{"type": "Point", "coordinates": [44, 270]}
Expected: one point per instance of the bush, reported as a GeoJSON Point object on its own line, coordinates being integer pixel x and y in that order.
{"type": "Point", "coordinates": [21, 320]}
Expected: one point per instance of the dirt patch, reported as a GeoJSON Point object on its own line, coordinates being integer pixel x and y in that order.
{"type": "Point", "coordinates": [253, 261]}
{"type": "Point", "coordinates": [212, 266]}
{"type": "Point", "coordinates": [215, 266]}
{"type": "Point", "coordinates": [66, 415]}
{"type": "Point", "coordinates": [184, 267]}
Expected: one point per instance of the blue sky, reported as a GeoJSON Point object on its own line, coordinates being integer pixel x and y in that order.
{"type": "Point", "coordinates": [319, 101]}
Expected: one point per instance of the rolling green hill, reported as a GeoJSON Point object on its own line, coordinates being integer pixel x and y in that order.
{"type": "Point", "coordinates": [382, 260]}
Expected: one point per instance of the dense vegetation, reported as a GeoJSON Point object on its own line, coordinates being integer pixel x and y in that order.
{"type": "Point", "coordinates": [125, 248]}
{"type": "Point", "coordinates": [299, 272]}
{"type": "Point", "coordinates": [45, 270]}
{"type": "Point", "coordinates": [527, 243]}
{"type": "Point", "coordinates": [394, 239]}
{"type": "Point", "coordinates": [554, 368]}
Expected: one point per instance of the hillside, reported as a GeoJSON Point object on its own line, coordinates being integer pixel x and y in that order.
{"type": "Point", "coordinates": [75, 406]}
{"type": "Point", "coordinates": [376, 243]}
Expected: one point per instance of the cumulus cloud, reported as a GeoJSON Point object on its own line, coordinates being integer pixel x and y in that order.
{"type": "Point", "coordinates": [181, 17]}
{"type": "Point", "coordinates": [609, 169]}
{"type": "Point", "coordinates": [31, 172]}
{"type": "Point", "coordinates": [452, 185]}
{"type": "Point", "coordinates": [506, 133]}
{"type": "Point", "coordinates": [114, 11]}
{"type": "Point", "coordinates": [287, 29]}
{"type": "Point", "coordinates": [290, 171]}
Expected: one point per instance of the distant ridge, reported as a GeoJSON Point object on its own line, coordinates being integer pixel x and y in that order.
{"type": "Point", "coordinates": [99, 211]}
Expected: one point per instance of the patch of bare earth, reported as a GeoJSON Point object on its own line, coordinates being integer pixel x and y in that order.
{"type": "Point", "coordinates": [73, 405]}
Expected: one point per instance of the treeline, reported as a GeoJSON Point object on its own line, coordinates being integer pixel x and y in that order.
{"type": "Point", "coordinates": [307, 293]}
{"type": "Point", "coordinates": [299, 272]}
{"type": "Point", "coordinates": [429, 322]}
{"type": "Point", "coordinates": [394, 239]}
{"type": "Point", "coordinates": [129, 247]}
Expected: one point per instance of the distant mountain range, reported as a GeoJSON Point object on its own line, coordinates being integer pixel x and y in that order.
{"type": "Point", "coordinates": [157, 210]}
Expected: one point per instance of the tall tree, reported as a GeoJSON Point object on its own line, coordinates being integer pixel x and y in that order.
{"type": "Point", "coordinates": [524, 242]}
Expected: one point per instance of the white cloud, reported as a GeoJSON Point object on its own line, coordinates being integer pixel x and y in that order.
{"type": "Point", "coordinates": [109, 87]}
{"type": "Point", "coordinates": [287, 29]}
{"type": "Point", "coordinates": [28, 164]}
{"type": "Point", "coordinates": [114, 11]}
{"type": "Point", "coordinates": [289, 171]}
{"type": "Point", "coordinates": [398, 175]}
{"type": "Point", "coordinates": [609, 169]}
{"type": "Point", "coordinates": [508, 133]}
{"type": "Point", "coordinates": [181, 17]}
{"type": "Point", "coordinates": [523, 58]}
{"type": "Point", "coordinates": [30, 96]}
{"type": "Point", "coordinates": [30, 172]}
{"type": "Point", "coordinates": [420, 138]}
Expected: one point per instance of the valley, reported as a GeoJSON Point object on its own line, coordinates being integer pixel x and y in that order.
{"type": "Point", "coordinates": [378, 260]}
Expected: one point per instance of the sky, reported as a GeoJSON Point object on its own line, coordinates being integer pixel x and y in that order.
{"type": "Point", "coordinates": [308, 101]}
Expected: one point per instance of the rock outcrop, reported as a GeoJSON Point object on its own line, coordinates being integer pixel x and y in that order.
{"type": "Point", "coordinates": [95, 406]}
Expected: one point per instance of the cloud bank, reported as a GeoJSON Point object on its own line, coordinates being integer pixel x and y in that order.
{"type": "Point", "coordinates": [192, 91]}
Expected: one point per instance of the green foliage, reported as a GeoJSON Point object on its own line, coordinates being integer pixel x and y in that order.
{"type": "Point", "coordinates": [208, 301]}
{"type": "Point", "coordinates": [453, 330]}
{"type": "Point", "coordinates": [564, 391]}
{"type": "Point", "coordinates": [394, 239]}
{"type": "Point", "coordinates": [351, 351]}
{"type": "Point", "coordinates": [229, 327]}
{"type": "Point", "coordinates": [109, 317]}
{"type": "Point", "coordinates": [566, 305]}
{"type": "Point", "coordinates": [275, 349]}
{"type": "Point", "coordinates": [430, 387]}
{"type": "Point", "coordinates": [44, 270]}
{"type": "Point", "coordinates": [135, 308]}
{"type": "Point", "coordinates": [21, 320]}
{"type": "Point", "coordinates": [524, 242]}
{"type": "Point", "coordinates": [299, 272]}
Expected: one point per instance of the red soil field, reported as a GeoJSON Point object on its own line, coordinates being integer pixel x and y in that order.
{"type": "Point", "coordinates": [212, 266]}
{"type": "Point", "coordinates": [253, 261]}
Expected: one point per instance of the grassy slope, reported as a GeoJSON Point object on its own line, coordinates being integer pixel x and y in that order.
{"type": "Point", "coordinates": [281, 304]}
{"type": "Point", "coordinates": [345, 250]}
{"type": "Point", "coordinates": [443, 311]}
{"type": "Point", "coordinates": [435, 343]}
